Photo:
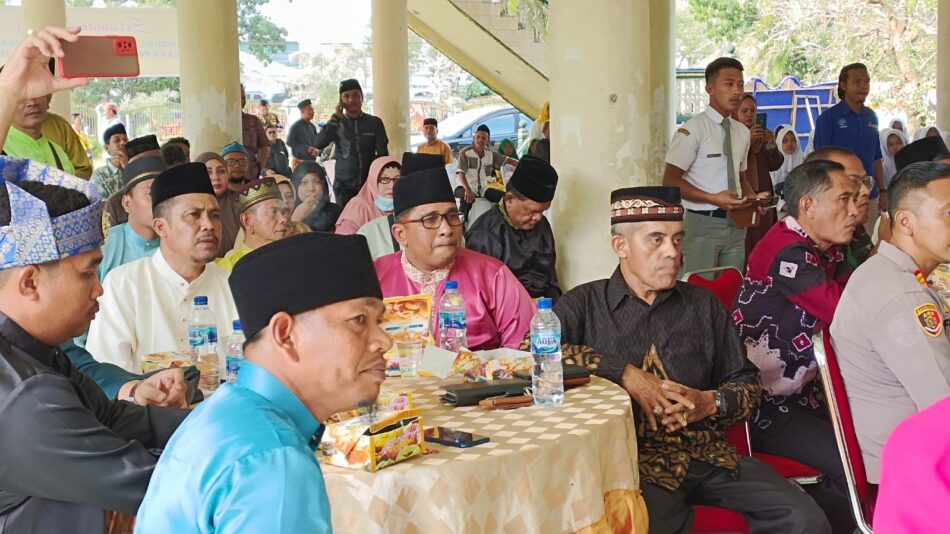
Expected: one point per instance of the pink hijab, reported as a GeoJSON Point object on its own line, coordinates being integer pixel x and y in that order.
{"type": "Point", "coordinates": [362, 209]}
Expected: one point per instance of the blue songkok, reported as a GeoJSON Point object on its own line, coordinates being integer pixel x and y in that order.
{"type": "Point", "coordinates": [33, 237]}
{"type": "Point", "coordinates": [233, 147]}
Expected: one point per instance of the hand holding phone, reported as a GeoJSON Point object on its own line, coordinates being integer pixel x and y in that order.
{"type": "Point", "coordinates": [100, 56]}
{"type": "Point", "coordinates": [762, 119]}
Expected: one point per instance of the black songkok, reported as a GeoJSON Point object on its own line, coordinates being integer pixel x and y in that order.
{"type": "Point", "coordinates": [142, 169]}
{"type": "Point", "coordinates": [926, 149]}
{"type": "Point", "coordinates": [535, 179]}
{"type": "Point", "coordinates": [427, 186]}
{"type": "Point", "coordinates": [141, 144]}
{"type": "Point", "coordinates": [113, 130]}
{"type": "Point", "coordinates": [349, 85]}
{"type": "Point", "coordinates": [637, 204]}
{"type": "Point", "coordinates": [181, 180]}
{"type": "Point", "coordinates": [259, 295]}
{"type": "Point", "coordinates": [412, 162]}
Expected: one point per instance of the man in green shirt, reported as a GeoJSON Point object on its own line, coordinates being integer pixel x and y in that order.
{"type": "Point", "coordinates": [25, 138]}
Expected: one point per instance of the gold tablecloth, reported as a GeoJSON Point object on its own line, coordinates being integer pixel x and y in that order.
{"type": "Point", "coordinates": [546, 470]}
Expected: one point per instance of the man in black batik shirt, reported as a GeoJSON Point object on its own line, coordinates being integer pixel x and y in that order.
{"type": "Point", "coordinates": [672, 346]}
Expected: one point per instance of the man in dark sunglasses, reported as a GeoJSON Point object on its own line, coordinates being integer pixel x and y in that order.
{"type": "Point", "coordinates": [428, 228]}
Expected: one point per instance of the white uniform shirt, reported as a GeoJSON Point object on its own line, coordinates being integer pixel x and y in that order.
{"type": "Point", "coordinates": [145, 310]}
{"type": "Point", "coordinates": [696, 148]}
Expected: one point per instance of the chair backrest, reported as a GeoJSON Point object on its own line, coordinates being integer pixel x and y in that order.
{"type": "Point", "coordinates": [725, 286]}
{"type": "Point", "coordinates": [860, 492]}
{"type": "Point", "coordinates": [738, 435]}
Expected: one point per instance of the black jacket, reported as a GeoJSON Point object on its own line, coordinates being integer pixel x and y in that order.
{"type": "Point", "coordinates": [66, 451]}
{"type": "Point", "coordinates": [358, 141]}
{"type": "Point", "coordinates": [279, 159]}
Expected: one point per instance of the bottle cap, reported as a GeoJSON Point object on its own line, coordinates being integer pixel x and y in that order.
{"type": "Point", "coordinates": [236, 325]}
{"type": "Point", "coordinates": [201, 300]}
{"type": "Point", "coordinates": [544, 304]}
{"type": "Point", "coordinates": [451, 284]}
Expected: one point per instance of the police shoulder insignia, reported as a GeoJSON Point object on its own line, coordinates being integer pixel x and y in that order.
{"type": "Point", "coordinates": [929, 319]}
{"type": "Point", "coordinates": [683, 131]}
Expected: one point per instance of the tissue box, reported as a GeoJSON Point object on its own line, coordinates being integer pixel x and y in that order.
{"type": "Point", "coordinates": [165, 360]}
{"type": "Point", "coordinates": [373, 441]}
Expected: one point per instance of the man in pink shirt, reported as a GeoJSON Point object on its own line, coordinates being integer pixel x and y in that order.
{"type": "Point", "coordinates": [428, 229]}
{"type": "Point", "coordinates": [915, 475]}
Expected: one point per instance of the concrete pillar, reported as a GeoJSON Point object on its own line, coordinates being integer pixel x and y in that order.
{"type": "Point", "coordinates": [943, 64]}
{"type": "Point", "coordinates": [390, 28]}
{"type": "Point", "coordinates": [662, 81]}
{"type": "Point", "coordinates": [36, 15]}
{"type": "Point", "coordinates": [601, 131]}
{"type": "Point", "coordinates": [210, 73]}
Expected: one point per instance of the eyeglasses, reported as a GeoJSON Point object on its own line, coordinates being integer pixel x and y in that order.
{"type": "Point", "coordinates": [389, 179]}
{"type": "Point", "coordinates": [235, 162]}
{"type": "Point", "coordinates": [434, 220]}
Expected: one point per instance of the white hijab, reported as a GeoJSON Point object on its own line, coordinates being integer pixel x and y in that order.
{"type": "Point", "coordinates": [903, 127]}
{"type": "Point", "coordinates": [921, 132]}
{"type": "Point", "coordinates": [796, 158]}
{"type": "Point", "coordinates": [890, 167]}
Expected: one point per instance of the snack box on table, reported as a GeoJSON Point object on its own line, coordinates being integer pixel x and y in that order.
{"type": "Point", "coordinates": [165, 360]}
{"type": "Point", "coordinates": [480, 366]}
{"type": "Point", "coordinates": [373, 441]}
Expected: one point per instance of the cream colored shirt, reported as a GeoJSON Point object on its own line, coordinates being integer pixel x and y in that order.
{"type": "Point", "coordinates": [145, 309]}
{"type": "Point", "coordinates": [696, 148]}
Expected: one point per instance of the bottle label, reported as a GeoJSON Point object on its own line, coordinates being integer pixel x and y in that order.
{"type": "Point", "coordinates": [453, 319]}
{"type": "Point", "coordinates": [196, 337]}
{"type": "Point", "coordinates": [547, 343]}
{"type": "Point", "coordinates": [202, 335]}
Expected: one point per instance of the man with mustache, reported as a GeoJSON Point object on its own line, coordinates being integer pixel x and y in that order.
{"type": "Point", "coordinates": [670, 345]}
{"type": "Point", "coordinates": [428, 228]}
{"type": "Point", "coordinates": [796, 276]}
{"type": "Point", "coordinates": [707, 161]}
{"type": "Point", "coordinates": [244, 462]}
{"type": "Point", "coordinates": [147, 302]}
{"type": "Point", "coordinates": [236, 159]}
{"type": "Point", "coordinates": [67, 452]}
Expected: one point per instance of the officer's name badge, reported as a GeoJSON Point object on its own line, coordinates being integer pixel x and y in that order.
{"type": "Point", "coordinates": [929, 319]}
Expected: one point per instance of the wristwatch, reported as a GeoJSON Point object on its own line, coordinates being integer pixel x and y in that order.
{"type": "Point", "coordinates": [131, 397]}
{"type": "Point", "coordinates": [720, 402]}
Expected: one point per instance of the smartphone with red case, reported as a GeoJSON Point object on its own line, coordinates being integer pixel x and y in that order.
{"type": "Point", "coordinates": [100, 56]}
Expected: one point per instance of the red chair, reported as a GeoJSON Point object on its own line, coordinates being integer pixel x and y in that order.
{"type": "Point", "coordinates": [710, 519]}
{"type": "Point", "coordinates": [726, 287]}
{"type": "Point", "coordinates": [861, 493]}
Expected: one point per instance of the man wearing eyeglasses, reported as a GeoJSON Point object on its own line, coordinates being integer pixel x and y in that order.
{"type": "Point", "coordinates": [516, 232]}
{"type": "Point", "coordinates": [428, 228]}
{"type": "Point", "coordinates": [236, 160]}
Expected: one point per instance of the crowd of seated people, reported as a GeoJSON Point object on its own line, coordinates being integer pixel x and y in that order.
{"type": "Point", "coordinates": [99, 274]}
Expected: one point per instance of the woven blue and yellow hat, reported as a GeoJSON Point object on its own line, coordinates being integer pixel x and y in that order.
{"type": "Point", "coordinates": [33, 237]}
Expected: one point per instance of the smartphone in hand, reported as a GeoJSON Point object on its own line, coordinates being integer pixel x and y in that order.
{"type": "Point", "coordinates": [761, 119]}
{"type": "Point", "coordinates": [100, 56]}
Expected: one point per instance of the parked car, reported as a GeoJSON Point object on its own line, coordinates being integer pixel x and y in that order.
{"type": "Point", "coordinates": [503, 122]}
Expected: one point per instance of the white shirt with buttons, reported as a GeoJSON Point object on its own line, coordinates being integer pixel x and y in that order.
{"type": "Point", "coordinates": [696, 148]}
{"type": "Point", "coordinates": [145, 309]}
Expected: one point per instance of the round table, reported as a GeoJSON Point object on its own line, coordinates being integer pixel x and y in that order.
{"type": "Point", "coordinates": [561, 469]}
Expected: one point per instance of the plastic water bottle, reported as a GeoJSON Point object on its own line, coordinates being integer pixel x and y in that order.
{"type": "Point", "coordinates": [547, 376]}
{"type": "Point", "coordinates": [234, 351]}
{"type": "Point", "coordinates": [453, 323]}
{"type": "Point", "coordinates": [203, 342]}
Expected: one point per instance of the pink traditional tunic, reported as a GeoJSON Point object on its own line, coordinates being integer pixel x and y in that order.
{"type": "Point", "coordinates": [914, 496]}
{"type": "Point", "coordinates": [498, 307]}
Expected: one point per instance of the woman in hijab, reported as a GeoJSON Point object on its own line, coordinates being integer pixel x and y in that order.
{"type": "Point", "coordinates": [506, 147]}
{"type": "Point", "coordinates": [313, 198]}
{"type": "Point", "coordinates": [375, 199]}
{"type": "Point", "coordinates": [898, 124]}
{"type": "Point", "coordinates": [928, 131]}
{"type": "Point", "coordinates": [764, 157]}
{"type": "Point", "coordinates": [892, 140]}
{"type": "Point", "coordinates": [791, 149]}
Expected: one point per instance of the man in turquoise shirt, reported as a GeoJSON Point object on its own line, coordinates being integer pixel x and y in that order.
{"type": "Point", "coordinates": [244, 460]}
{"type": "Point", "coordinates": [136, 238]}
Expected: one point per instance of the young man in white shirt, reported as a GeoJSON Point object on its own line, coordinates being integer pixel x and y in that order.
{"type": "Point", "coordinates": [146, 303]}
{"type": "Point", "coordinates": [707, 161]}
